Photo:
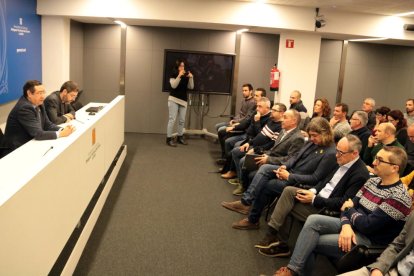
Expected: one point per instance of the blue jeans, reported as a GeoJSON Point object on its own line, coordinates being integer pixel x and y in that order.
{"type": "Point", "coordinates": [173, 110]}
{"type": "Point", "coordinates": [237, 155]}
{"type": "Point", "coordinates": [269, 191]}
{"type": "Point", "coordinates": [319, 235]}
{"type": "Point", "coordinates": [221, 126]}
{"type": "Point", "coordinates": [263, 175]}
{"type": "Point", "coordinates": [230, 142]}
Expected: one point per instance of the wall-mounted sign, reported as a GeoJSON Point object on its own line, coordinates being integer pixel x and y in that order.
{"type": "Point", "coordinates": [290, 43]}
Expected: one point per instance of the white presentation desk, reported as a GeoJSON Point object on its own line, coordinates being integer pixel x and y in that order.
{"type": "Point", "coordinates": [44, 191]}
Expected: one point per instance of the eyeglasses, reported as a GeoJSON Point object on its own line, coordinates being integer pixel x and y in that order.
{"type": "Point", "coordinates": [380, 160]}
{"type": "Point", "coordinates": [340, 153]}
{"type": "Point", "coordinates": [275, 110]}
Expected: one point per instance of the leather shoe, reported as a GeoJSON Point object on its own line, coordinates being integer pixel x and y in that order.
{"type": "Point", "coordinates": [170, 142]}
{"type": "Point", "coordinates": [236, 206]}
{"type": "Point", "coordinates": [229, 175]}
{"type": "Point", "coordinates": [245, 224]}
{"type": "Point", "coordinates": [180, 140]}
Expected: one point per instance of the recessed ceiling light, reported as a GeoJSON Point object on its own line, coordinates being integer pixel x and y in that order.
{"type": "Point", "coordinates": [404, 13]}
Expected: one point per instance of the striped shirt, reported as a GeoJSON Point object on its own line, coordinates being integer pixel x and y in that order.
{"type": "Point", "coordinates": [379, 211]}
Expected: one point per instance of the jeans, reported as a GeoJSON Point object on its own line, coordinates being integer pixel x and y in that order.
{"type": "Point", "coordinates": [221, 126]}
{"type": "Point", "coordinates": [230, 142]}
{"type": "Point", "coordinates": [263, 175]}
{"type": "Point", "coordinates": [264, 196]}
{"type": "Point", "coordinates": [319, 235]}
{"type": "Point", "coordinates": [237, 156]}
{"type": "Point", "coordinates": [173, 110]}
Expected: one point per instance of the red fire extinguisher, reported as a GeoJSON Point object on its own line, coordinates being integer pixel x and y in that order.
{"type": "Point", "coordinates": [274, 78]}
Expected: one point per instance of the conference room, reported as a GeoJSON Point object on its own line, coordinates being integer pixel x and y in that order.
{"type": "Point", "coordinates": [112, 197]}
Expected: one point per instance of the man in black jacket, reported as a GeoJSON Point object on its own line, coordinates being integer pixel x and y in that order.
{"type": "Point", "coordinates": [358, 123]}
{"type": "Point", "coordinates": [296, 102]}
{"type": "Point", "coordinates": [329, 195]}
{"type": "Point", "coordinates": [58, 106]}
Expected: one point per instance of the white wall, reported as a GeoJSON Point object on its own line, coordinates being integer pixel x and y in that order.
{"type": "Point", "coordinates": [55, 52]}
{"type": "Point", "coordinates": [299, 67]}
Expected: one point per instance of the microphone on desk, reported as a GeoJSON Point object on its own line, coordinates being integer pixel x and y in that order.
{"type": "Point", "coordinates": [51, 147]}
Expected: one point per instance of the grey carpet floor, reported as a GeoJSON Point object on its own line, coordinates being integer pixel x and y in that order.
{"type": "Point", "coordinates": [163, 217]}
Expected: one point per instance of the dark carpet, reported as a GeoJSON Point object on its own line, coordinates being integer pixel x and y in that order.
{"type": "Point", "coordinates": [163, 217]}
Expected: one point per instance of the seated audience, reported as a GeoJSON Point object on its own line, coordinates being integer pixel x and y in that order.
{"type": "Point", "coordinates": [384, 136]}
{"type": "Point", "coordinates": [409, 108]}
{"type": "Point", "coordinates": [397, 258]}
{"type": "Point", "coordinates": [409, 149]}
{"type": "Point", "coordinates": [310, 165]}
{"type": "Point", "coordinates": [328, 195]}
{"type": "Point", "coordinates": [262, 141]}
{"type": "Point", "coordinates": [375, 216]}
{"type": "Point", "coordinates": [288, 143]}
{"type": "Point", "coordinates": [28, 119]}
{"type": "Point", "coordinates": [58, 104]}
{"type": "Point", "coordinates": [296, 102]}
{"type": "Point", "coordinates": [396, 117]}
{"type": "Point", "coordinates": [248, 106]}
{"type": "Point", "coordinates": [358, 122]}
{"type": "Point", "coordinates": [322, 109]}
{"type": "Point", "coordinates": [339, 122]}
{"type": "Point", "coordinates": [368, 106]}
{"type": "Point", "coordinates": [253, 127]}
{"type": "Point", "coordinates": [237, 132]}
{"type": "Point", "coordinates": [381, 116]}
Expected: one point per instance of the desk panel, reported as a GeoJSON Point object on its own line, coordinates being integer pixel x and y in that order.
{"type": "Point", "coordinates": [52, 191]}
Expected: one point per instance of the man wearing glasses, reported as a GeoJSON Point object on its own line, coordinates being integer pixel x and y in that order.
{"type": "Point", "coordinates": [376, 215]}
{"type": "Point", "coordinates": [328, 195]}
{"type": "Point", "coordinates": [28, 119]}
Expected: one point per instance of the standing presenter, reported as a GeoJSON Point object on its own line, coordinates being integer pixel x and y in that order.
{"type": "Point", "coordinates": [180, 81]}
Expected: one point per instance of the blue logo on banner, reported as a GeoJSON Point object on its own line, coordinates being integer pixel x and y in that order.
{"type": "Point", "coordinates": [20, 50]}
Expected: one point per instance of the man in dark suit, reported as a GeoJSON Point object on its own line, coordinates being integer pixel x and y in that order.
{"type": "Point", "coordinates": [397, 258]}
{"type": "Point", "coordinates": [281, 151]}
{"type": "Point", "coordinates": [28, 119]}
{"type": "Point", "coordinates": [313, 163]}
{"type": "Point", "coordinates": [58, 105]}
{"type": "Point", "coordinates": [329, 195]}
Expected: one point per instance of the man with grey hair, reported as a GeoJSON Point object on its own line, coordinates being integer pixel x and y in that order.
{"type": "Point", "coordinates": [296, 102]}
{"type": "Point", "coordinates": [329, 195]}
{"type": "Point", "coordinates": [384, 136]}
{"type": "Point", "coordinates": [358, 123]}
{"type": "Point", "coordinates": [368, 106]}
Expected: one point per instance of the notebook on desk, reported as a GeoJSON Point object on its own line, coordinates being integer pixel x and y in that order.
{"type": "Point", "coordinates": [94, 108]}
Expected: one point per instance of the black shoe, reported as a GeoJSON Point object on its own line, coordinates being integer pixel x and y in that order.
{"type": "Point", "coordinates": [268, 241]}
{"type": "Point", "coordinates": [170, 142]}
{"type": "Point", "coordinates": [276, 251]}
{"type": "Point", "coordinates": [221, 161]}
{"type": "Point", "coordinates": [180, 140]}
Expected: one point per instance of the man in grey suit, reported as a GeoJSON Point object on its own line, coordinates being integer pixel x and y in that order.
{"type": "Point", "coordinates": [288, 143]}
{"type": "Point", "coordinates": [28, 119]}
{"type": "Point", "coordinates": [397, 258]}
{"type": "Point", "coordinates": [58, 106]}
